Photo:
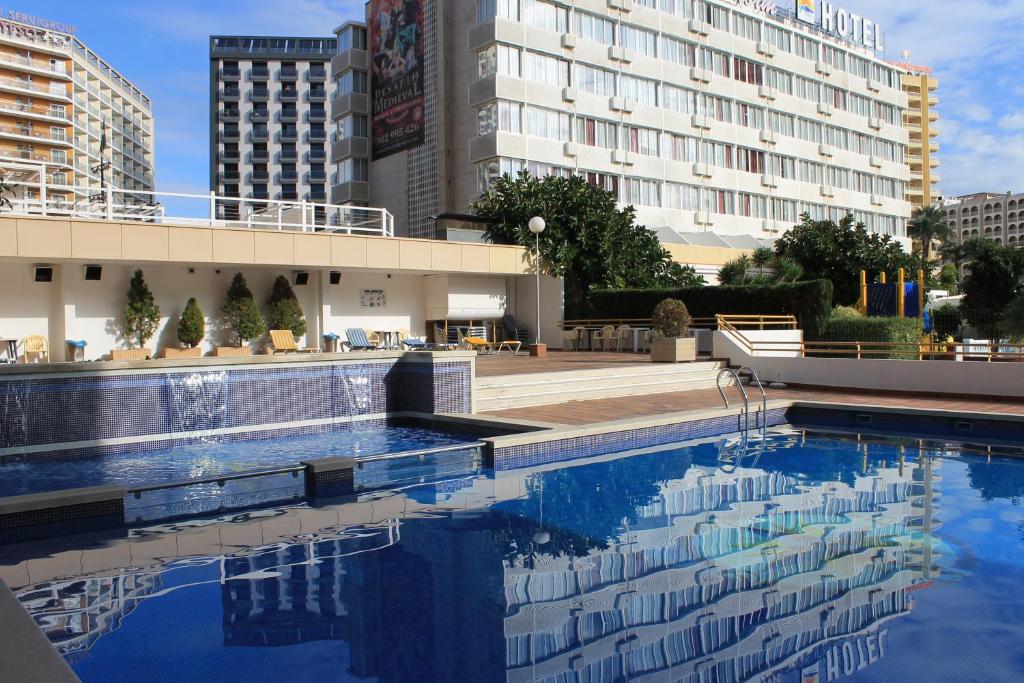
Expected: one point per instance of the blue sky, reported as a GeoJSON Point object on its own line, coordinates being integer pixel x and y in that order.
{"type": "Point", "coordinates": [974, 47]}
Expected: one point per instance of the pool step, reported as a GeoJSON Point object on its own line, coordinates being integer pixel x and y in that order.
{"type": "Point", "coordinates": [519, 391]}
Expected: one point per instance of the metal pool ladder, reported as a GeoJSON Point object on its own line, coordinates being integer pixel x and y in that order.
{"type": "Point", "coordinates": [725, 454]}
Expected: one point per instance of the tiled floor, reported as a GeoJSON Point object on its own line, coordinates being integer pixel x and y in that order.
{"type": "Point", "coordinates": [608, 409]}
{"type": "Point", "coordinates": [557, 361]}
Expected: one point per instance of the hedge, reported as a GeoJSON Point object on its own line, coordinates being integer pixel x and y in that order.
{"type": "Point", "coordinates": [810, 302]}
{"type": "Point", "coordinates": [891, 330]}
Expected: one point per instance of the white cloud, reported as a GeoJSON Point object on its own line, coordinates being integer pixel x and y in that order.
{"type": "Point", "coordinates": [1013, 121]}
{"type": "Point", "coordinates": [977, 112]}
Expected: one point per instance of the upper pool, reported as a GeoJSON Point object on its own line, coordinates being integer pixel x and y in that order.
{"type": "Point", "coordinates": [825, 558]}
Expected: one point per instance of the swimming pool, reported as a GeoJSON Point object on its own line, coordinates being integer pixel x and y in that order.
{"type": "Point", "coordinates": [824, 557]}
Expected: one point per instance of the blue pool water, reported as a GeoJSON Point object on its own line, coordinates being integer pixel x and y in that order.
{"type": "Point", "coordinates": [825, 558]}
{"type": "Point", "coordinates": [212, 458]}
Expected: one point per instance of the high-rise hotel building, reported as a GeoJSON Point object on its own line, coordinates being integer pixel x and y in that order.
{"type": "Point", "coordinates": [731, 117]}
{"type": "Point", "coordinates": [920, 119]}
{"type": "Point", "coordinates": [268, 117]}
{"type": "Point", "coordinates": [70, 124]}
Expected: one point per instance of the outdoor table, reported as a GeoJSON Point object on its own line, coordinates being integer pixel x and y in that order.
{"type": "Point", "coordinates": [637, 331]}
{"type": "Point", "coordinates": [11, 346]}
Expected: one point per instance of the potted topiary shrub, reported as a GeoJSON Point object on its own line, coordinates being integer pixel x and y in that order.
{"type": "Point", "coordinates": [140, 319]}
{"type": "Point", "coordinates": [242, 316]}
{"type": "Point", "coordinates": [191, 330]}
{"type": "Point", "coordinates": [671, 322]}
{"type": "Point", "coordinates": [283, 309]}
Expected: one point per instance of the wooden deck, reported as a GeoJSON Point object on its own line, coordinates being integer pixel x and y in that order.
{"type": "Point", "coordinates": [557, 361]}
{"type": "Point", "coordinates": [609, 409]}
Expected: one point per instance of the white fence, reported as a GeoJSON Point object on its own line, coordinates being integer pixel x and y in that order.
{"type": "Point", "coordinates": [212, 210]}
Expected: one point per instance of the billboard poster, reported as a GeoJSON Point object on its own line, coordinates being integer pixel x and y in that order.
{"type": "Point", "coordinates": [806, 11]}
{"type": "Point", "coordinates": [396, 79]}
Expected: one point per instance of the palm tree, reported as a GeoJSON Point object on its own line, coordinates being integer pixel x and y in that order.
{"type": "Point", "coordinates": [761, 257]}
{"type": "Point", "coordinates": [927, 224]}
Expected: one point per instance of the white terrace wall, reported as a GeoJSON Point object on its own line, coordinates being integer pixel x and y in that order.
{"type": "Point", "coordinates": [940, 377]}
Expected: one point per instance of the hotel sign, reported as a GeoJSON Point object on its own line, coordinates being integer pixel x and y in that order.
{"type": "Point", "coordinates": [37, 22]}
{"type": "Point", "coordinates": [765, 6]}
{"type": "Point", "coordinates": [841, 23]}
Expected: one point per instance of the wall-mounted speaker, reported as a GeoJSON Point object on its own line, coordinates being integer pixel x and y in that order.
{"type": "Point", "coordinates": [43, 274]}
{"type": "Point", "coordinates": [302, 278]}
{"type": "Point", "coordinates": [335, 277]}
{"type": "Point", "coordinates": [94, 272]}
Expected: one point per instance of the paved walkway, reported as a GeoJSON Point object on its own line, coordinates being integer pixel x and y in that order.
{"type": "Point", "coordinates": [557, 361]}
{"type": "Point", "coordinates": [608, 409]}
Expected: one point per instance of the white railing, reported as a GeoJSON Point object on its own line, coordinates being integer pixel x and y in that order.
{"type": "Point", "coordinates": [210, 210]}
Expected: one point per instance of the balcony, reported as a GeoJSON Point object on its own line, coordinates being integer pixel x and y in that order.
{"type": "Point", "coordinates": [317, 156]}
{"type": "Point", "coordinates": [230, 94]}
{"type": "Point", "coordinates": [259, 95]}
{"type": "Point", "coordinates": [259, 176]}
{"type": "Point", "coordinates": [259, 156]}
{"type": "Point", "coordinates": [288, 73]}
{"type": "Point", "coordinates": [230, 73]}
{"type": "Point", "coordinates": [288, 135]}
{"type": "Point", "coordinates": [290, 196]}
{"type": "Point", "coordinates": [288, 156]}
{"type": "Point", "coordinates": [229, 115]}
{"type": "Point", "coordinates": [288, 116]}
{"type": "Point", "coordinates": [317, 116]}
{"type": "Point", "coordinates": [316, 196]}
{"type": "Point", "coordinates": [230, 135]}
{"type": "Point", "coordinates": [230, 156]}
{"type": "Point", "coordinates": [259, 116]}
{"type": "Point", "coordinates": [316, 136]}
{"type": "Point", "coordinates": [289, 95]}
{"type": "Point", "coordinates": [317, 176]}
{"type": "Point", "coordinates": [259, 73]}
{"type": "Point", "coordinates": [259, 135]}
{"type": "Point", "coordinates": [317, 73]}
{"type": "Point", "coordinates": [260, 194]}
{"type": "Point", "coordinates": [230, 176]}
{"type": "Point", "coordinates": [289, 176]}
{"type": "Point", "coordinates": [317, 95]}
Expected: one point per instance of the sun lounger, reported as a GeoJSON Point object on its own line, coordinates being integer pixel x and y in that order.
{"type": "Point", "coordinates": [357, 339]}
{"type": "Point", "coordinates": [283, 341]}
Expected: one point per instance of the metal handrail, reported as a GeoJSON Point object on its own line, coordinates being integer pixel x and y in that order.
{"type": "Point", "coordinates": [764, 395]}
{"type": "Point", "coordinates": [743, 393]}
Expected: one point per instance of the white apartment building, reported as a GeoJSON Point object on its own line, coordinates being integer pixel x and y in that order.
{"type": "Point", "coordinates": [998, 217]}
{"type": "Point", "coordinates": [729, 117]}
{"type": "Point", "coordinates": [70, 124]}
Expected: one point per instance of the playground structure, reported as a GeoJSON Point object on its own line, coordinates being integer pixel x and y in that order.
{"type": "Point", "coordinates": [899, 299]}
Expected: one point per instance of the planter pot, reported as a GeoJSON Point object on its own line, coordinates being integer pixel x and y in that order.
{"type": "Point", "coordinates": [222, 351]}
{"type": "Point", "coordinates": [170, 352]}
{"type": "Point", "coordinates": [675, 350]}
{"type": "Point", "coordinates": [131, 354]}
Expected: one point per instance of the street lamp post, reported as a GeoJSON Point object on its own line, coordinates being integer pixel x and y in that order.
{"type": "Point", "coordinates": [537, 226]}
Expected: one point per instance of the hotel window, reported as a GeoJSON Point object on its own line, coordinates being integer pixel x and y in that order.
{"type": "Point", "coordinates": [749, 116]}
{"type": "Point", "coordinates": [717, 154]}
{"type": "Point", "coordinates": [859, 105]}
{"type": "Point", "coordinates": [640, 140]}
{"type": "Point", "coordinates": [678, 99]}
{"type": "Point", "coordinates": [680, 197]}
{"type": "Point", "coordinates": [781, 167]}
{"type": "Point", "coordinates": [783, 124]}
{"type": "Point", "coordinates": [837, 137]}
{"type": "Point", "coordinates": [638, 40]}
{"type": "Point", "coordinates": [489, 171]}
{"type": "Point", "coordinates": [605, 181]}
{"type": "Point", "coordinates": [352, 82]}
{"type": "Point", "coordinates": [548, 123]}
{"type": "Point", "coordinates": [714, 61]}
{"type": "Point", "coordinates": [681, 147]}
{"type": "Point", "coordinates": [642, 192]}
{"type": "Point", "coordinates": [640, 90]}
{"type": "Point", "coordinates": [598, 29]}
{"type": "Point", "coordinates": [858, 66]}
{"type": "Point", "coordinates": [544, 15]}
{"type": "Point", "coordinates": [57, 133]}
{"type": "Point", "coordinates": [807, 89]}
{"type": "Point", "coordinates": [57, 111]}
{"type": "Point", "coordinates": [498, 59]}
{"type": "Point", "coordinates": [810, 131]}
{"type": "Point", "coordinates": [834, 56]}
{"type": "Point", "coordinates": [863, 182]}
{"type": "Point", "coordinates": [717, 108]}
{"type": "Point", "coordinates": [752, 205]}
{"type": "Point", "coordinates": [489, 9]}
{"type": "Point", "coordinates": [778, 37]}
{"type": "Point", "coordinates": [784, 210]}
{"type": "Point", "coordinates": [838, 177]}
{"type": "Point", "coordinates": [545, 69]}
{"type": "Point", "coordinates": [596, 133]}
{"type": "Point", "coordinates": [887, 113]}
{"type": "Point", "coordinates": [678, 52]}
{"type": "Point", "coordinates": [747, 71]}
{"type": "Point", "coordinates": [353, 170]}
{"type": "Point", "coordinates": [59, 178]}
{"type": "Point", "coordinates": [720, 201]}
{"type": "Point", "coordinates": [811, 172]}
{"type": "Point", "coordinates": [836, 97]}
{"type": "Point", "coordinates": [779, 80]}
{"type": "Point", "coordinates": [540, 170]}
{"type": "Point", "coordinates": [718, 17]}
{"type": "Point", "coordinates": [58, 156]}
{"type": "Point", "coordinates": [750, 160]}
{"type": "Point", "coordinates": [746, 27]}
{"type": "Point", "coordinates": [505, 116]}
{"type": "Point", "coordinates": [884, 75]}
{"type": "Point", "coordinates": [593, 80]}
{"type": "Point", "coordinates": [806, 48]}
{"type": "Point", "coordinates": [680, 8]}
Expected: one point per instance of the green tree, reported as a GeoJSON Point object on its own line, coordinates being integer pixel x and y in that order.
{"type": "Point", "coordinates": [949, 279]}
{"type": "Point", "coordinates": [995, 278]}
{"type": "Point", "coordinates": [588, 241]}
{"type": "Point", "coordinates": [283, 309]}
{"type": "Point", "coordinates": [838, 252]}
{"type": "Point", "coordinates": [735, 272]}
{"type": "Point", "coordinates": [6, 188]}
{"type": "Point", "coordinates": [926, 225]}
{"type": "Point", "coordinates": [141, 314]}
{"type": "Point", "coordinates": [191, 325]}
{"type": "Point", "coordinates": [761, 257]}
{"type": "Point", "coordinates": [241, 311]}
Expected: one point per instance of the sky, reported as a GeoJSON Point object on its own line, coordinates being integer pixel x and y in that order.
{"type": "Point", "coordinates": [973, 46]}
